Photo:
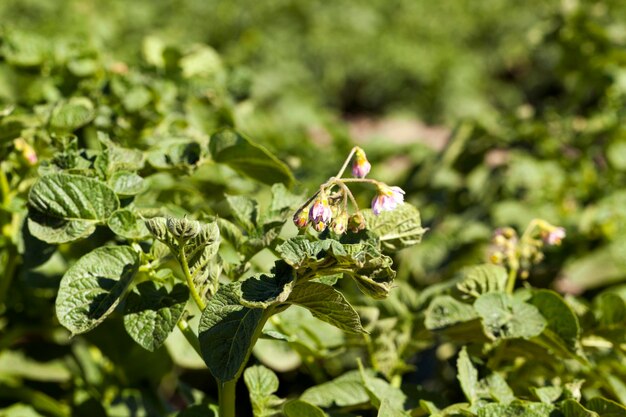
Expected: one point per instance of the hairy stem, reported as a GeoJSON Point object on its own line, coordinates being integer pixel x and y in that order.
{"type": "Point", "coordinates": [192, 288]}
{"type": "Point", "coordinates": [191, 337]}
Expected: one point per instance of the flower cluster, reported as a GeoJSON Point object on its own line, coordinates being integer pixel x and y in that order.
{"type": "Point", "coordinates": [328, 208]}
{"type": "Point", "coordinates": [521, 253]}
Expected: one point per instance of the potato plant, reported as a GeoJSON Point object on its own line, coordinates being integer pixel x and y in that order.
{"type": "Point", "coordinates": [172, 244]}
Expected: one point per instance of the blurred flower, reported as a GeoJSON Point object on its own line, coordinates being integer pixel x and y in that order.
{"type": "Point", "coordinates": [320, 212]}
{"type": "Point", "coordinates": [388, 198]}
{"type": "Point", "coordinates": [361, 166]}
{"type": "Point", "coordinates": [554, 237]}
{"type": "Point", "coordinates": [27, 151]}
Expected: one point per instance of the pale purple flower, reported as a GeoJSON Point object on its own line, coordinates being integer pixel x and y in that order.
{"type": "Point", "coordinates": [555, 236]}
{"type": "Point", "coordinates": [361, 166]}
{"type": "Point", "coordinates": [320, 211]}
{"type": "Point", "coordinates": [387, 198]}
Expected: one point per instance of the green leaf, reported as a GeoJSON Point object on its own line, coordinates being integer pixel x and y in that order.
{"type": "Point", "coordinates": [65, 207]}
{"type": "Point", "coordinates": [181, 153]}
{"type": "Point", "coordinates": [378, 390]}
{"type": "Point", "coordinates": [467, 376]}
{"type": "Point", "coordinates": [152, 312]}
{"type": "Point", "coordinates": [506, 317]}
{"type": "Point", "coordinates": [226, 332]}
{"type": "Point", "coordinates": [499, 390]}
{"type": "Point", "coordinates": [606, 407]}
{"type": "Point", "coordinates": [116, 158]}
{"type": "Point", "coordinates": [19, 410]}
{"type": "Point", "coordinates": [126, 183]}
{"type": "Point", "coordinates": [511, 410]}
{"type": "Point", "coordinates": [572, 408]}
{"type": "Point", "coordinates": [283, 200]}
{"type": "Point", "coordinates": [326, 304]}
{"type": "Point", "coordinates": [244, 210]}
{"type": "Point", "coordinates": [616, 154]}
{"type": "Point", "coordinates": [559, 315]}
{"type": "Point", "coordinates": [547, 395]}
{"type": "Point", "coordinates": [610, 309]}
{"type": "Point", "coordinates": [92, 287]}
{"type": "Point", "coordinates": [396, 229]}
{"type": "Point", "coordinates": [72, 114]}
{"type": "Point", "coordinates": [446, 311]}
{"type": "Point", "coordinates": [481, 279]}
{"type": "Point", "coordinates": [389, 409]}
{"type": "Point", "coordinates": [125, 223]}
{"type": "Point", "coordinates": [263, 290]}
{"type": "Point", "coordinates": [262, 383]}
{"type": "Point", "coordinates": [362, 261]}
{"type": "Point", "coordinates": [54, 231]}
{"type": "Point", "coordinates": [300, 252]}
{"type": "Point", "coordinates": [72, 197]}
{"type": "Point", "coordinates": [344, 391]}
{"type": "Point", "coordinates": [241, 154]}
{"type": "Point", "coordinates": [299, 408]}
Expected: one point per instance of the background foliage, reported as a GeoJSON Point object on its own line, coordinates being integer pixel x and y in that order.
{"type": "Point", "coordinates": [487, 113]}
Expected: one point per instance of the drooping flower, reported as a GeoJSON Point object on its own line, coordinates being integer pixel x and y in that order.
{"type": "Point", "coordinates": [361, 166]}
{"type": "Point", "coordinates": [301, 218]}
{"type": "Point", "coordinates": [387, 198]}
{"type": "Point", "coordinates": [320, 211]}
{"type": "Point", "coordinates": [554, 237]}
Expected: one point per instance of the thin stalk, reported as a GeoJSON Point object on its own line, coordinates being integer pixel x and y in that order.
{"type": "Point", "coordinates": [348, 193]}
{"type": "Point", "coordinates": [346, 162]}
{"type": "Point", "coordinates": [192, 288]}
{"type": "Point", "coordinates": [362, 180]}
{"type": "Point", "coordinates": [191, 337]}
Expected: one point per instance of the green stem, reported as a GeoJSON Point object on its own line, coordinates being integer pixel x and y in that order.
{"type": "Point", "coordinates": [191, 337]}
{"type": "Point", "coordinates": [226, 394]}
{"type": "Point", "coordinates": [192, 288]}
{"type": "Point", "coordinates": [361, 180]}
{"type": "Point", "coordinates": [510, 284]}
{"type": "Point", "coordinates": [346, 162]}
{"type": "Point", "coordinates": [4, 186]}
{"type": "Point", "coordinates": [9, 272]}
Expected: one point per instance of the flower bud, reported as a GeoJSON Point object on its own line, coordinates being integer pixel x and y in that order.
{"type": "Point", "coordinates": [356, 222]}
{"type": "Point", "coordinates": [28, 153]}
{"type": "Point", "coordinates": [340, 223]}
{"type": "Point", "coordinates": [361, 166]}
{"type": "Point", "coordinates": [301, 218]}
